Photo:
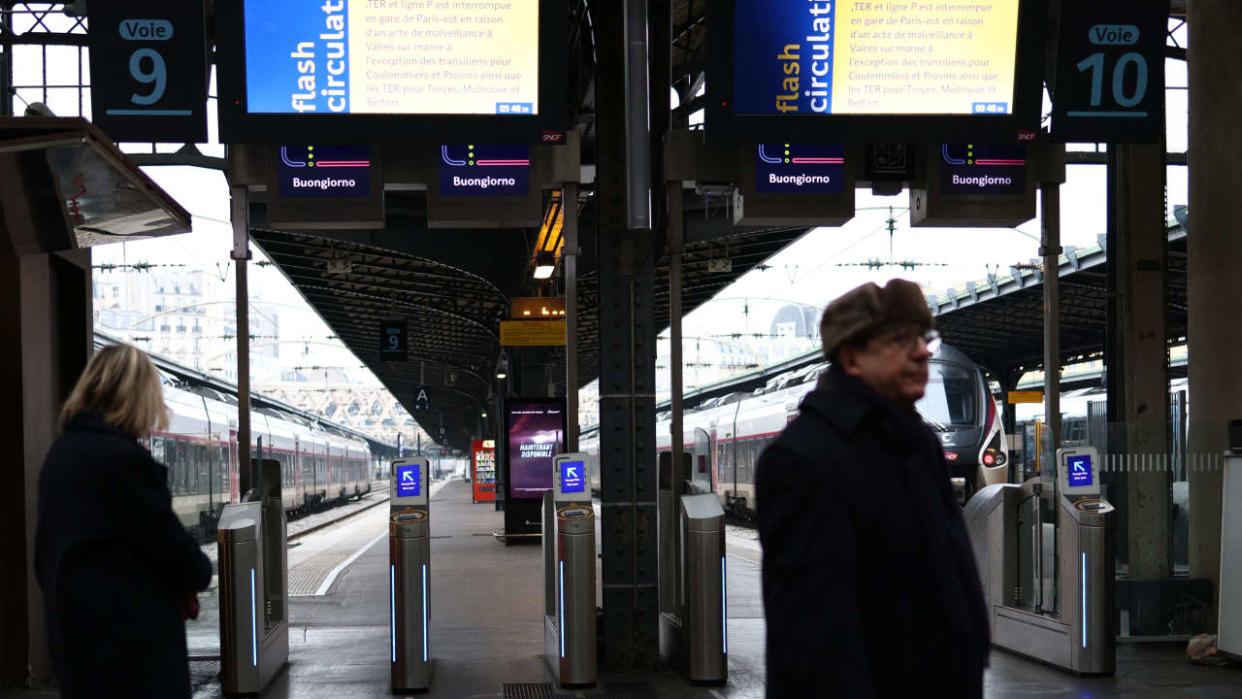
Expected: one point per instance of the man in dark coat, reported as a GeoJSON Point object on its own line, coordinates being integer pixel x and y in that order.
{"type": "Point", "coordinates": [869, 583]}
{"type": "Point", "coordinates": [115, 565]}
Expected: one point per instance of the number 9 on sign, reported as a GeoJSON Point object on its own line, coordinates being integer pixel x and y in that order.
{"type": "Point", "coordinates": [394, 342]}
{"type": "Point", "coordinates": [157, 75]}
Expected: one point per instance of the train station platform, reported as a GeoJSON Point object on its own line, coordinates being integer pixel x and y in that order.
{"type": "Point", "coordinates": [486, 632]}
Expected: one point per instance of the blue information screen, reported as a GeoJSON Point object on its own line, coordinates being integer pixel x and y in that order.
{"type": "Point", "coordinates": [573, 478]}
{"type": "Point", "coordinates": [783, 168]}
{"type": "Point", "coordinates": [1080, 472]}
{"type": "Point", "coordinates": [325, 172]}
{"type": "Point", "coordinates": [408, 481]}
{"type": "Point", "coordinates": [484, 171]}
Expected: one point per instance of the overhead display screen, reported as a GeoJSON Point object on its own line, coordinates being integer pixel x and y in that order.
{"type": "Point", "coordinates": [404, 57]}
{"type": "Point", "coordinates": [536, 433]}
{"type": "Point", "coordinates": [784, 168]}
{"type": "Point", "coordinates": [888, 57]}
{"type": "Point", "coordinates": [329, 172]}
{"type": "Point", "coordinates": [970, 168]}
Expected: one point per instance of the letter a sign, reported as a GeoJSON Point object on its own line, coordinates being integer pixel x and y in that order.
{"type": "Point", "coordinates": [422, 399]}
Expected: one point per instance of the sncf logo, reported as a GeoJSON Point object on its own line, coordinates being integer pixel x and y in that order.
{"type": "Point", "coordinates": [553, 137]}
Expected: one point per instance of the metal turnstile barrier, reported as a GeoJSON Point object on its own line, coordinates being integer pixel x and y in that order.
{"type": "Point", "coordinates": [253, 588]}
{"type": "Point", "coordinates": [569, 574]}
{"type": "Point", "coordinates": [409, 576]}
{"type": "Point", "coordinates": [1069, 624]}
{"type": "Point", "coordinates": [693, 595]}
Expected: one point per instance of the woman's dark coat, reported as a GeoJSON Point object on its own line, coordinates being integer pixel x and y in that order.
{"type": "Point", "coordinates": [869, 583]}
{"type": "Point", "coordinates": [115, 565]}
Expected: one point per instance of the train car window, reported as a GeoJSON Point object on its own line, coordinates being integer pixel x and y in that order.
{"type": "Point", "coordinates": [952, 395]}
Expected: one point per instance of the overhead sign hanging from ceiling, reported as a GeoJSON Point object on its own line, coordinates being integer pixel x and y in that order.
{"type": "Point", "coordinates": [793, 184]}
{"type": "Point", "coordinates": [483, 186]}
{"type": "Point", "coordinates": [324, 187]}
{"type": "Point", "coordinates": [975, 185]}
{"type": "Point", "coordinates": [899, 70]}
{"type": "Point", "coordinates": [783, 168]}
{"type": "Point", "coordinates": [148, 62]}
{"type": "Point", "coordinates": [1109, 83]}
{"type": "Point", "coordinates": [484, 171]}
{"type": "Point", "coordinates": [376, 70]}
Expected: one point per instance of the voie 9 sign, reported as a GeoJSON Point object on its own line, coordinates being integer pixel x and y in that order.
{"type": "Point", "coordinates": [148, 61]}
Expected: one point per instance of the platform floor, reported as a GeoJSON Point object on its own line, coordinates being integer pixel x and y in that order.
{"type": "Point", "coordinates": [486, 632]}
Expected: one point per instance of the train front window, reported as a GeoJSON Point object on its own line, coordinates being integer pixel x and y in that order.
{"type": "Point", "coordinates": [951, 397]}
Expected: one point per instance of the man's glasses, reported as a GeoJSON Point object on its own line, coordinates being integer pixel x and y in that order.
{"type": "Point", "coordinates": [909, 339]}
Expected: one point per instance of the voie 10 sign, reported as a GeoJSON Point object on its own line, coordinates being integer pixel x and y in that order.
{"type": "Point", "coordinates": [1109, 84]}
{"type": "Point", "coordinates": [148, 61]}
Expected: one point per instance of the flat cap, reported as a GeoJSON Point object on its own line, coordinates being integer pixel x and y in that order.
{"type": "Point", "coordinates": [868, 310]}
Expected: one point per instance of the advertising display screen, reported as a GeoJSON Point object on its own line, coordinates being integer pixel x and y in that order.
{"type": "Point", "coordinates": [408, 481]}
{"type": "Point", "coordinates": [392, 68]}
{"type": "Point", "coordinates": [408, 57]}
{"type": "Point", "coordinates": [536, 433]}
{"type": "Point", "coordinates": [572, 477]}
{"type": "Point", "coordinates": [884, 57]}
{"type": "Point", "coordinates": [1080, 472]}
{"type": "Point", "coordinates": [822, 69]}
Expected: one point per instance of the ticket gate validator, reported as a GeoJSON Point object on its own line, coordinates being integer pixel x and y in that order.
{"type": "Point", "coordinates": [1072, 630]}
{"type": "Point", "coordinates": [409, 571]}
{"type": "Point", "coordinates": [693, 607]}
{"type": "Point", "coordinates": [253, 587]}
{"type": "Point", "coordinates": [569, 573]}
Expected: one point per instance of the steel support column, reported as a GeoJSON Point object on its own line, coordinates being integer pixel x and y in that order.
{"type": "Point", "coordinates": [1137, 359]}
{"type": "Point", "coordinates": [239, 213]}
{"type": "Point", "coordinates": [46, 338]}
{"type": "Point", "coordinates": [627, 341]}
{"type": "Point", "coordinates": [1050, 249]}
{"type": "Point", "coordinates": [1214, 257]}
{"type": "Point", "coordinates": [569, 228]}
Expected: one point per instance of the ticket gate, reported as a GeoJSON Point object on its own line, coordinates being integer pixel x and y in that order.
{"type": "Point", "coordinates": [409, 571]}
{"type": "Point", "coordinates": [253, 587]}
{"type": "Point", "coordinates": [569, 573]}
{"type": "Point", "coordinates": [1052, 605]}
{"type": "Point", "coordinates": [693, 604]}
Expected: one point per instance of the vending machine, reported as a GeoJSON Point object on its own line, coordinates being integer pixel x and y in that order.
{"type": "Point", "coordinates": [483, 468]}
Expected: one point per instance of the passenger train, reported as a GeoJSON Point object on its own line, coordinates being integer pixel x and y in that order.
{"type": "Point", "coordinates": [726, 435]}
{"type": "Point", "coordinates": [319, 464]}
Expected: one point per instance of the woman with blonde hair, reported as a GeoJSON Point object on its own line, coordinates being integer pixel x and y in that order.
{"type": "Point", "coordinates": [117, 569]}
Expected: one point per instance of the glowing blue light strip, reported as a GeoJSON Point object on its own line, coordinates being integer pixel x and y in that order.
{"type": "Point", "coordinates": [424, 612]}
{"type": "Point", "coordinates": [392, 607]}
{"type": "Point", "coordinates": [1084, 599]}
{"type": "Point", "coordinates": [561, 615]}
{"type": "Point", "coordinates": [724, 608]}
{"type": "Point", "coordinates": [254, 626]}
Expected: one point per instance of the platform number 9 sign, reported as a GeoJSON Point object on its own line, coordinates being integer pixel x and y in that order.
{"type": "Point", "coordinates": [149, 69]}
{"type": "Point", "coordinates": [147, 66]}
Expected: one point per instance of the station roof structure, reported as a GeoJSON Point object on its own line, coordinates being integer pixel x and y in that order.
{"type": "Point", "coordinates": [999, 322]}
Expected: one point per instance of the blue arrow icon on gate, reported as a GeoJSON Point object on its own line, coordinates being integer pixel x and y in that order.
{"type": "Point", "coordinates": [407, 477]}
{"type": "Point", "coordinates": [571, 471]}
